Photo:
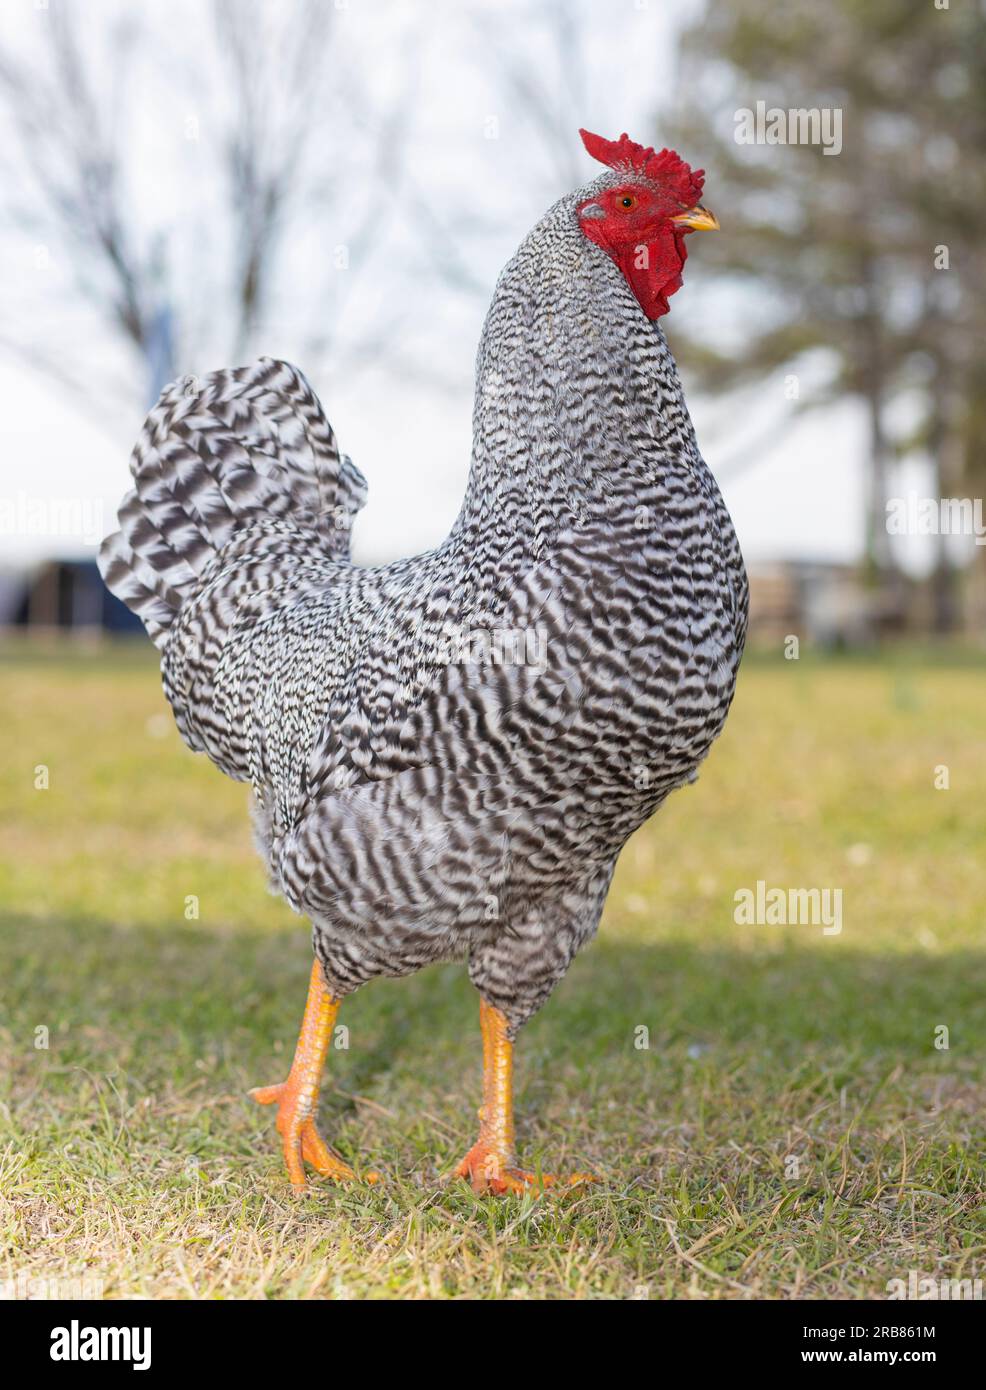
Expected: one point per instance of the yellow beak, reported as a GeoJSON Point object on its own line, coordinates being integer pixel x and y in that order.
{"type": "Point", "coordinates": [698, 219]}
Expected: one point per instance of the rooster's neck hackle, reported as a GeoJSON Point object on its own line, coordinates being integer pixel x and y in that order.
{"type": "Point", "coordinates": [579, 415]}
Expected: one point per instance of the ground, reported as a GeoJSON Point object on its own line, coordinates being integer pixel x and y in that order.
{"type": "Point", "coordinates": [790, 1130]}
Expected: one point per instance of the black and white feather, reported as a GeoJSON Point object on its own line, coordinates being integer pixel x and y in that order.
{"type": "Point", "coordinates": [421, 792]}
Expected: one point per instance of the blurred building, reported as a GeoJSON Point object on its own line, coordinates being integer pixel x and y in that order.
{"type": "Point", "coordinates": [831, 605]}
{"type": "Point", "coordinates": [67, 595]}
{"type": "Point", "coordinates": [826, 605]}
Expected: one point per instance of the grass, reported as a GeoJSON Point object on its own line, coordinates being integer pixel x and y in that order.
{"type": "Point", "coordinates": [791, 1131]}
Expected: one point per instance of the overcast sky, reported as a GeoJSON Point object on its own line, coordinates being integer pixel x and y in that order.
{"type": "Point", "coordinates": [477, 162]}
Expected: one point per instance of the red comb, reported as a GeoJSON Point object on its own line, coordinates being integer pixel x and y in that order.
{"type": "Point", "coordinates": [666, 168]}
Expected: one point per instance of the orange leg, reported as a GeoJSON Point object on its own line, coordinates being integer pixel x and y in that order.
{"type": "Point", "coordinates": [297, 1098]}
{"type": "Point", "coordinates": [490, 1165]}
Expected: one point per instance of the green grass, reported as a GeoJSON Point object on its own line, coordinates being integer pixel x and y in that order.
{"type": "Point", "coordinates": [129, 1152]}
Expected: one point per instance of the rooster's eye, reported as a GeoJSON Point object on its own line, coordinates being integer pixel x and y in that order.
{"type": "Point", "coordinates": [627, 203]}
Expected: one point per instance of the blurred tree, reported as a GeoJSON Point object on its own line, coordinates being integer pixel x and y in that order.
{"type": "Point", "coordinates": [872, 257]}
{"type": "Point", "coordinates": [254, 105]}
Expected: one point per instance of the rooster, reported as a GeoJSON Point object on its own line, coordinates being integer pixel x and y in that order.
{"type": "Point", "coordinates": [447, 753]}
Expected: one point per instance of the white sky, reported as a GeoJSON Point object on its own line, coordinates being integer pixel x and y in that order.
{"type": "Point", "coordinates": [801, 497]}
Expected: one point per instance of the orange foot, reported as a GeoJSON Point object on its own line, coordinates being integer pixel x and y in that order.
{"type": "Point", "coordinates": [297, 1098]}
{"type": "Point", "coordinates": [489, 1164]}
{"type": "Point", "coordinates": [489, 1170]}
{"type": "Point", "coordinates": [301, 1140]}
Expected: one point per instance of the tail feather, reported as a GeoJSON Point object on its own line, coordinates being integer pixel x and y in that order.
{"type": "Point", "coordinates": [217, 453]}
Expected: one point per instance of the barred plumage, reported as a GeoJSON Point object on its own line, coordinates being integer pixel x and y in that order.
{"type": "Point", "coordinates": [419, 808]}
{"type": "Point", "coordinates": [416, 805]}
